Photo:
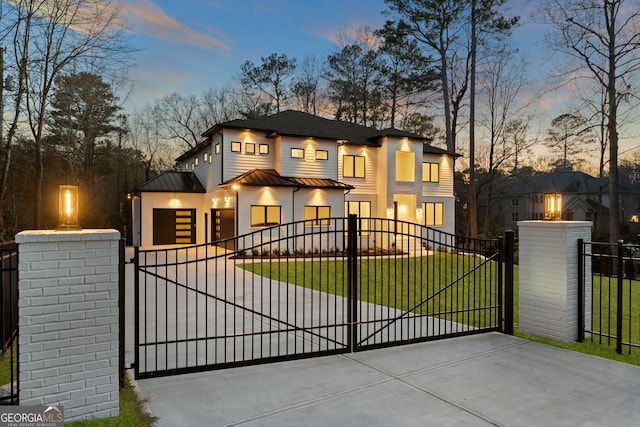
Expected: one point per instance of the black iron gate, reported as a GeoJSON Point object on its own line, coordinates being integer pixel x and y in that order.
{"type": "Point", "coordinates": [309, 288]}
{"type": "Point", "coordinates": [9, 327]}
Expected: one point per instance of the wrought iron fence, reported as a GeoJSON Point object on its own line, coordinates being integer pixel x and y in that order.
{"type": "Point", "coordinates": [9, 327]}
{"type": "Point", "coordinates": [609, 294]}
{"type": "Point", "coordinates": [315, 287]}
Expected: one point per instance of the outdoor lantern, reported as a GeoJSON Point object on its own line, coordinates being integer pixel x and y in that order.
{"type": "Point", "coordinates": [553, 206]}
{"type": "Point", "coordinates": [68, 207]}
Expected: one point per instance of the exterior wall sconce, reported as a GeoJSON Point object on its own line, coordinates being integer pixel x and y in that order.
{"type": "Point", "coordinates": [174, 202]}
{"type": "Point", "coordinates": [634, 218]}
{"type": "Point", "coordinates": [68, 208]}
{"type": "Point", "coordinates": [553, 207]}
{"type": "Point", "coordinates": [419, 213]}
{"type": "Point", "coordinates": [390, 213]}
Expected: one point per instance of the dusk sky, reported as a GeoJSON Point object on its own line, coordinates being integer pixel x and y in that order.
{"type": "Point", "coordinates": [189, 46]}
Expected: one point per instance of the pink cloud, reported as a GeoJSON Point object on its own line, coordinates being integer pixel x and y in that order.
{"type": "Point", "coordinates": [143, 16]}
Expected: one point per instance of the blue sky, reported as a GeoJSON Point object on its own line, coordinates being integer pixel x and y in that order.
{"type": "Point", "coordinates": [189, 46]}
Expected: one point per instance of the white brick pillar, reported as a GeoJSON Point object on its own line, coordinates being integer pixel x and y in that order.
{"type": "Point", "coordinates": [548, 278]}
{"type": "Point", "coordinates": [68, 321]}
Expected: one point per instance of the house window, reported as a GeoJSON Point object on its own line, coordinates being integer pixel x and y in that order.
{"type": "Point", "coordinates": [405, 166]}
{"type": "Point", "coordinates": [205, 157]}
{"type": "Point", "coordinates": [297, 153]}
{"type": "Point", "coordinates": [264, 148]}
{"type": "Point", "coordinates": [317, 215]}
{"type": "Point", "coordinates": [362, 210]}
{"type": "Point", "coordinates": [433, 213]}
{"type": "Point", "coordinates": [197, 160]}
{"type": "Point", "coordinates": [514, 202]}
{"type": "Point", "coordinates": [353, 166]}
{"type": "Point", "coordinates": [186, 166]}
{"type": "Point", "coordinates": [322, 155]}
{"type": "Point", "coordinates": [264, 215]}
{"type": "Point", "coordinates": [514, 216]}
{"type": "Point", "coordinates": [236, 146]}
{"type": "Point", "coordinates": [250, 148]}
{"type": "Point", "coordinates": [430, 172]}
{"type": "Point", "coordinates": [218, 148]}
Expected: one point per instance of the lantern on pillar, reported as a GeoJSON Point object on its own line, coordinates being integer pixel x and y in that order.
{"type": "Point", "coordinates": [68, 208]}
{"type": "Point", "coordinates": [553, 206]}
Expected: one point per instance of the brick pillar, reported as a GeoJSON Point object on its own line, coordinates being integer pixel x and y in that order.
{"type": "Point", "coordinates": [68, 321]}
{"type": "Point", "coordinates": [548, 279]}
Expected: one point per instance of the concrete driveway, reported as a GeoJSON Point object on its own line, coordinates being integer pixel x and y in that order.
{"type": "Point", "coordinates": [488, 379]}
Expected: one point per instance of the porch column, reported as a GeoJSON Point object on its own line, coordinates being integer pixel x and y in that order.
{"type": "Point", "coordinates": [548, 278]}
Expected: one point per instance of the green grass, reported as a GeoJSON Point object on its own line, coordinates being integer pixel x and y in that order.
{"type": "Point", "coordinates": [5, 366]}
{"type": "Point", "coordinates": [380, 276]}
{"type": "Point", "coordinates": [423, 285]}
{"type": "Point", "coordinates": [132, 412]}
{"type": "Point", "coordinates": [605, 293]}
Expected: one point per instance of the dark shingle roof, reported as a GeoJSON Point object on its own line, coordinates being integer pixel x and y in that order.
{"type": "Point", "coordinates": [271, 178]}
{"type": "Point", "coordinates": [297, 123]}
{"type": "Point", "coordinates": [173, 182]}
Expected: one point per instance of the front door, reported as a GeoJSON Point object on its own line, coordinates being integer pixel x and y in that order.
{"type": "Point", "coordinates": [223, 226]}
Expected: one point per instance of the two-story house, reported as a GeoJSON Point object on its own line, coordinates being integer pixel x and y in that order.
{"type": "Point", "coordinates": [293, 166]}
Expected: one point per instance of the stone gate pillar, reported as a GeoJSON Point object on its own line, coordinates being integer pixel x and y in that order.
{"type": "Point", "coordinates": [548, 278]}
{"type": "Point", "coordinates": [68, 321]}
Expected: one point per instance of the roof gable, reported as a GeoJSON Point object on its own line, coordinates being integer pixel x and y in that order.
{"type": "Point", "coordinates": [173, 182]}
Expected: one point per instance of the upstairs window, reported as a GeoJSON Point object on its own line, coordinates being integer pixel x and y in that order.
{"type": "Point", "coordinates": [430, 172]}
{"type": "Point", "coordinates": [236, 146]}
{"type": "Point", "coordinates": [264, 148]}
{"type": "Point", "coordinates": [297, 153]}
{"type": "Point", "coordinates": [322, 155]}
{"type": "Point", "coordinates": [405, 166]}
{"type": "Point", "coordinates": [353, 166]}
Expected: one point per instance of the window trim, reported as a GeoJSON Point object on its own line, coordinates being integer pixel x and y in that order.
{"type": "Point", "coordinates": [296, 151]}
{"type": "Point", "coordinates": [431, 165]}
{"type": "Point", "coordinates": [364, 221]}
{"type": "Point", "coordinates": [354, 158]}
{"type": "Point", "coordinates": [236, 146]}
{"type": "Point", "coordinates": [323, 156]}
{"type": "Point", "coordinates": [250, 148]}
{"type": "Point", "coordinates": [316, 221]}
{"type": "Point", "coordinates": [263, 149]}
{"type": "Point", "coordinates": [266, 215]}
{"type": "Point", "coordinates": [435, 215]}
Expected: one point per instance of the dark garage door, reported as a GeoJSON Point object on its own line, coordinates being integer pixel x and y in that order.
{"type": "Point", "coordinates": [171, 226]}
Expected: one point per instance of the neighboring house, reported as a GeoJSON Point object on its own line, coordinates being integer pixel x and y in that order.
{"type": "Point", "coordinates": [584, 198]}
{"type": "Point", "coordinates": [293, 166]}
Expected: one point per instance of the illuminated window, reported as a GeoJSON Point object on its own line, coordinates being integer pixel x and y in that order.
{"type": "Point", "coordinates": [236, 146]}
{"type": "Point", "coordinates": [250, 148]}
{"type": "Point", "coordinates": [433, 213]}
{"type": "Point", "coordinates": [322, 155]}
{"type": "Point", "coordinates": [265, 216]}
{"type": "Point", "coordinates": [218, 148]}
{"type": "Point", "coordinates": [205, 157]}
{"type": "Point", "coordinates": [186, 166]}
{"type": "Point", "coordinates": [362, 210]}
{"type": "Point", "coordinates": [405, 166]}
{"type": "Point", "coordinates": [264, 148]}
{"type": "Point", "coordinates": [430, 172]}
{"type": "Point", "coordinates": [353, 166]}
{"type": "Point", "coordinates": [317, 215]}
{"type": "Point", "coordinates": [297, 153]}
{"type": "Point", "coordinates": [197, 160]}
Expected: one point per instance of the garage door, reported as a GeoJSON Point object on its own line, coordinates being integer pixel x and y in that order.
{"type": "Point", "coordinates": [171, 226]}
